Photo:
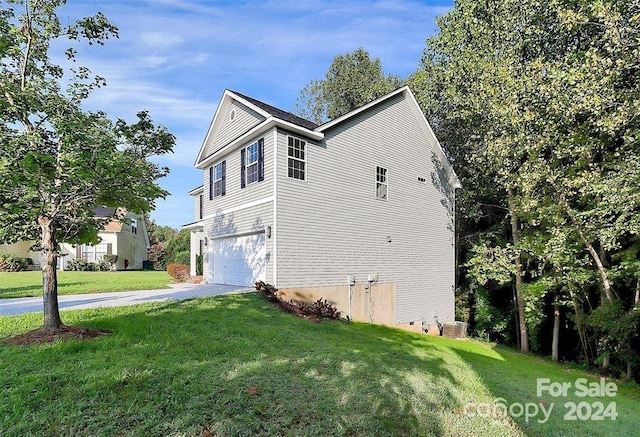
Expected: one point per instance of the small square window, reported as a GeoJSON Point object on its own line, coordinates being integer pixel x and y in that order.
{"type": "Point", "coordinates": [381, 183]}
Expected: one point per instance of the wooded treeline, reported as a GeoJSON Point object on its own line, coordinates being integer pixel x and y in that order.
{"type": "Point", "coordinates": [537, 105]}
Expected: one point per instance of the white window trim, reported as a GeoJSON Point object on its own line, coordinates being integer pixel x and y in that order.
{"type": "Point", "coordinates": [306, 153]}
{"type": "Point", "coordinates": [385, 183]}
{"type": "Point", "coordinates": [93, 250]}
{"type": "Point", "coordinates": [247, 165]}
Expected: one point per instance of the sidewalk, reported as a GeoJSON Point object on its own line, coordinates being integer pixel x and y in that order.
{"type": "Point", "coordinates": [180, 291]}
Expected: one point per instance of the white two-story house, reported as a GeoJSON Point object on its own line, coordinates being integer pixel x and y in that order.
{"type": "Point", "coordinates": [359, 211]}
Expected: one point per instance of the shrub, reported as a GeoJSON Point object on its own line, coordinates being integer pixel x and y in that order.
{"type": "Point", "coordinates": [183, 257]}
{"type": "Point", "coordinates": [158, 256]}
{"type": "Point", "coordinates": [179, 272]}
{"type": "Point", "coordinates": [78, 265]}
{"type": "Point", "coordinates": [315, 311]}
{"type": "Point", "coordinates": [10, 262]}
{"type": "Point", "coordinates": [81, 265]}
{"type": "Point", "coordinates": [101, 266]}
{"type": "Point", "coordinates": [109, 258]}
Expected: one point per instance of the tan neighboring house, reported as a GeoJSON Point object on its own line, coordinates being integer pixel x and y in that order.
{"type": "Point", "coordinates": [129, 240]}
{"type": "Point", "coordinates": [21, 248]}
{"type": "Point", "coordinates": [359, 210]}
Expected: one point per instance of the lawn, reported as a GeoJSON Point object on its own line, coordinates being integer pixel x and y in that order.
{"type": "Point", "coordinates": [29, 284]}
{"type": "Point", "coordinates": [235, 365]}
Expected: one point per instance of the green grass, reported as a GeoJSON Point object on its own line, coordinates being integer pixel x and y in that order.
{"type": "Point", "coordinates": [29, 284]}
{"type": "Point", "coordinates": [235, 365]}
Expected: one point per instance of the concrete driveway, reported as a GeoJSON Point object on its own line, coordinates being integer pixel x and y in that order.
{"type": "Point", "coordinates": [22, 305]}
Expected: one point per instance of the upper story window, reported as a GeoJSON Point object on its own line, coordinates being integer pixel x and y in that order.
{"type": "Point", "coordinates": [297, 158]}
{"type": "Point", "coordinates": [252, 163]}
{"type": "Point", "coordinates": [201, 206]}
{"type": "Point", "coordinates": [217, 181]}
{"type": "Point", "coordinates": [134, 226]}
{"type": "Point", "coordinates": [382, 183]}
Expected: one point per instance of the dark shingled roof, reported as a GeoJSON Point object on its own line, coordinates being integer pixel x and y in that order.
{"type": "Point", "coordinates": [102, 211]}
{"type": "Point", "coordinates": [279, 113]}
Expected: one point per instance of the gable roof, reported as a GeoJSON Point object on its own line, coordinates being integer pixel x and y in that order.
{"type": "Point", "coordinates": [413, 103]}
{"type": "Point", "coordinates": [279, 113]}
{"type": "Point", "coordinates": [103, 211]}
{"type": "Point", "coordinates": [277, 117]}
{"type": "Point", "coordinates": [272, 117]}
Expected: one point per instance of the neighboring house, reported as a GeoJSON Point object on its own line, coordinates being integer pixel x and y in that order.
{"type": "Point", "coordinates": [130, 241]}
{"type": "Point", "coordinates": [21, 248]}
{"type": "Point", "coordinates": [359, 210]}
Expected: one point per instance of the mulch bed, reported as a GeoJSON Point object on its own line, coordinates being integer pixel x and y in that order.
{"type": "Point", "coordinates": [39, 336]}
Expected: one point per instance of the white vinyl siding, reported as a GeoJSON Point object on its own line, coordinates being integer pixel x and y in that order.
{"type": "Point", "coordinates": [229, 130]}
{"type": "Point", "coordinates": [235, 194]}
{"type": "Point", "coordinates": [240, 219]}
{"type": "Point", "coordinates": [334, 227]}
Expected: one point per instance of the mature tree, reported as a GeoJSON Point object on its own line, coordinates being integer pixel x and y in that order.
{"type": "Point", "coordinates": [352, 80]}
{"type": "Point", "coordinates": [58, 161]}
{"type": "Point", "coordinates": [545, 98]}
{"type": "Point", "coordinates": [471, 92]}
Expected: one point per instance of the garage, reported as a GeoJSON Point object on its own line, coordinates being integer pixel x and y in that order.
{"type": "Point", "coordinates": [239, 260]}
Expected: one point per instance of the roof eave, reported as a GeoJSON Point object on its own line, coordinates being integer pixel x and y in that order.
{"type": "Point", "coordinates": [195, 226]}
{"type": "Point", "coordinates": [196, 190]}
{"type": "Point", "coordinates": [357, 111]}
{"type": "Point", "coordinates": [267, 124]}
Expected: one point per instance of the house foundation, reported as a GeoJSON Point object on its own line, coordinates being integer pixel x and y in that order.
{"type": "Point", "coordinates": [375, 303]}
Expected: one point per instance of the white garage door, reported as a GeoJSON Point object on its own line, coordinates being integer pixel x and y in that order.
{"type": "Point", "coordinates": [238, 260]}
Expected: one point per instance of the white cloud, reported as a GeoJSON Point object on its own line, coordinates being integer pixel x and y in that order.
{"type": "Point", "coordinates": [175, 58]}
{"type": "Point", "coordinates": [160, 39]}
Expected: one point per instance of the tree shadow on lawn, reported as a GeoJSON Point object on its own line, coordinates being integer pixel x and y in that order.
{"type": "Point", "coordinates": [514, 376]}
{"type": "Point", "coordinates": [30, 288]}
{"type": "Point", "coordinates": [234, 365]}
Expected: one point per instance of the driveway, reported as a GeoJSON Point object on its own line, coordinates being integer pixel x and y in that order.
{"type": "Point", "coordinates": [22, 305]}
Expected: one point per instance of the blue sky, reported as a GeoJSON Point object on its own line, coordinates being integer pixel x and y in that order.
{"type": "Point", "coordinates": [174, 58]}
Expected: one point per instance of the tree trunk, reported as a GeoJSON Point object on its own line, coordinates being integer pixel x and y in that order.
{"type": "Point", "coordinates": [605, 364]}
{"type": "Point", "coordinates": [584, 341]}
{"type": "Point", "coordinates": [602, 271]}
{"type": "Point", "coordinates": [556, 333]}
{"type": "Point", "coordinates": [52, 319]}
{"type": "Point", "coordinates": [629, 374]}
{"type": "Point", "coordinates": [524, 337]}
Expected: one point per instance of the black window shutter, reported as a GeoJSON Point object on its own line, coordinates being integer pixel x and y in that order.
{"type": "Point", "coordinates": [210, 183]}
{"type": "Point", "coordinates": [224, 178]}
{"type": "Point", "coordinates": [261, 159]}
{"type": "Point", "coordinates": [242, 168]}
